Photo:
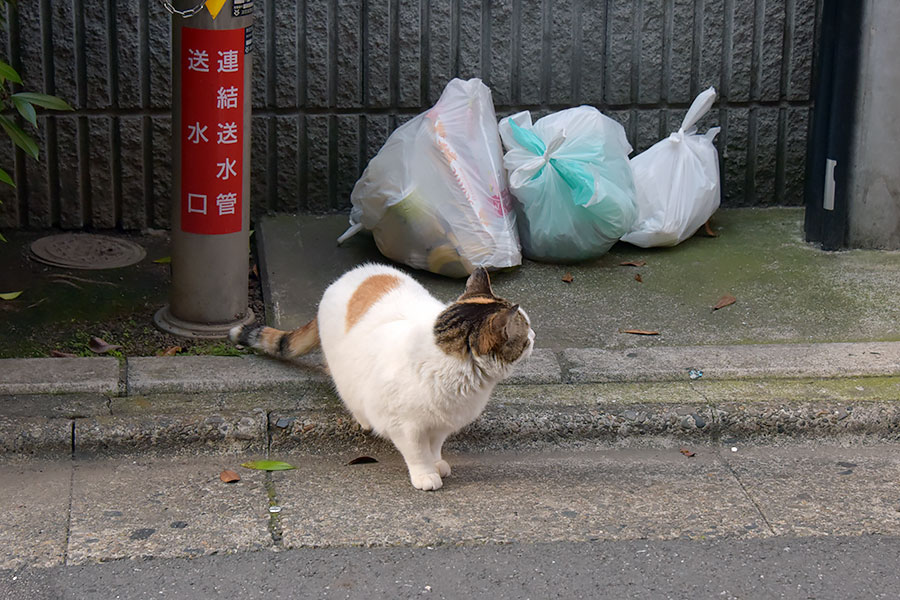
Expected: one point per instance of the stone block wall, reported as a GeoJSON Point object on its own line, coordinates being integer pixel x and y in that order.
{"type": "Point", "coordinates": [332, 78]}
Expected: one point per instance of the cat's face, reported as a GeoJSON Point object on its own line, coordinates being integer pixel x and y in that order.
{"type": "Point", "coordinates": [484, 325]}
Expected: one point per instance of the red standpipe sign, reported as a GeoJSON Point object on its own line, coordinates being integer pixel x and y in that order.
{"type": "Point", "coordinates": [212, 130]}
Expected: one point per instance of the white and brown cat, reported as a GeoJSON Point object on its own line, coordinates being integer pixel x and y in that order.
{"type": "Point", "coordinates": [406, 365]}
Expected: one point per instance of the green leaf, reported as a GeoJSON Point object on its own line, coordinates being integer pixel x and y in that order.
{"type": "Point", "coordinates": [164, 260]}
{"type": "Point", "coordinates": [7, 72]}
{"type": "Point", "coordinates": [14, 295]}
{"type": "Point", "coordinates": [51, 102]}
{"type": "Point", "coordinates": [268, 465]}
{"type": "Point", "coordinates": [5, 178]}
{"type": "Point", "coordinates": [19, 137]}
{"type": "Point", "coordinates": [2, 239]}
{"type": "Point", "coordinates": [26, 110]}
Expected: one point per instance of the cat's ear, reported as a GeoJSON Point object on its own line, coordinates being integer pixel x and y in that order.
{"type": "Point", "coordinates": [503, 323]}
{"type": "Point", "coordinates": [511, 322]}
{"type": "Point", "coordinates": [478, 284]}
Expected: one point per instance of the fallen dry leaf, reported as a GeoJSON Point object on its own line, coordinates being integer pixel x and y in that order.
{"type": "Point", "coordinates": [58, 354]}
{"type": "Point", "coordinates": [99, 346]}
{"type": "Point", "coordinates": [229, 476]}
{"type": "Point", "coordinates": [638, 278]}
{"type": "Point", "coordinates": [708, 230]}
{"type": "Point", "coordinates": [688, 453]}
{"type": "Point", "coordinates": [362, 460]}
{"type": "Point", "coordinates": [568, 278]}
{"type": "Point", "coordinates": [255, 272]}
{"type": "Point", "coordinates": [170, 351]}
{"type": "Point", "coordinates": [724, 301]}
{"type": "Point", "coordinates": [639, 331]}
{"type": "Point", "coordinates": [633, 263]}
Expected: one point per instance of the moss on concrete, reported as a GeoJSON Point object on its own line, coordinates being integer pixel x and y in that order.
{"type": "Point", "coordinates": [787, 290]}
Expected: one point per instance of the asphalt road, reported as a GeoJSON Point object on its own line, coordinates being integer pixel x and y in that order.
{"type": "Point", "coordinates": [818, 567]}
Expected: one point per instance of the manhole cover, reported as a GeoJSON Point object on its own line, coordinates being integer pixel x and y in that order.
{"type": "Point", "coordinates": [86, 251]}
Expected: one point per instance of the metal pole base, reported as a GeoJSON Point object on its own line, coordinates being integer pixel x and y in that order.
{"type": "Point", "coordinates": [169, 323]}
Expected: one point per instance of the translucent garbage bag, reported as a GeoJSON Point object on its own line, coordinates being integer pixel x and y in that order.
{"type": "Point", "coordinates": [572, 183]}
{"type": "Point", "coordinates": [435, 196]}
{"type": "Point", "coordinates": [677, 181]}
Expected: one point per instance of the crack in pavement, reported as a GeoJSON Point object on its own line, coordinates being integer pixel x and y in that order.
{"type": "Point", "coordinates": [746, 492]}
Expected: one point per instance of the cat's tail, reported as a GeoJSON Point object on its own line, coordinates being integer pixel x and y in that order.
{"type": "Point", "coordinates": [281, 344]}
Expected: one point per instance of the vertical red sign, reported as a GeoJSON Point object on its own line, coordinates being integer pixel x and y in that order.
{"type": "Point", "coordinates": [212, 130]}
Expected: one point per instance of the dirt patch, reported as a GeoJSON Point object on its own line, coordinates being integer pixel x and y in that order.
{"type": "Point", "coordinates": [62, 309]}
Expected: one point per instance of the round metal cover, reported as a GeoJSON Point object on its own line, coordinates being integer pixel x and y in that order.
{"type": "Point", "coordinates": [86, 251]}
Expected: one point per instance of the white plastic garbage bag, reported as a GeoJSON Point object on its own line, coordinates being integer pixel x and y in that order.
{"type": "Point", "coordinates": [677, 181]}
{"type": "Point", "coordinates": [435, 196]}
{"type": "Point", "coordinates": [572, 183]}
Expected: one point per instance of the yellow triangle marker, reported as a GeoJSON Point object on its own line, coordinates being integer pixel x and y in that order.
{"type": "Point", "coordinates": [214, 6]}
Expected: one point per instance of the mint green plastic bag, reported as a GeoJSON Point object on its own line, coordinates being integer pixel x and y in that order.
{"type": "Point", "coordinates": [573, 184]}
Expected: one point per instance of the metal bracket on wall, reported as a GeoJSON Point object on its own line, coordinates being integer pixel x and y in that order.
{"type": "Point", "coordinates": [828, 195]}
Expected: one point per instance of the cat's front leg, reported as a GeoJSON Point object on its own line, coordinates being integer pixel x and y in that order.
{"type": "Point", "coordinates": [415, 446]}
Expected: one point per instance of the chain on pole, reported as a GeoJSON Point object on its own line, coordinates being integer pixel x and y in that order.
{"type": "Point", "coordinates": [185, 14]}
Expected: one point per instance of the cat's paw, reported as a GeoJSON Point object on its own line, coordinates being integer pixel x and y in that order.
{"type": "Point", "coordinates": [442, 467]}
{"type": "Point", "coordinates": [426, 481]}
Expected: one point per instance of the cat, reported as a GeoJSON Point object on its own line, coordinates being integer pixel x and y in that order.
{"type": "Point", "coordinates": [407, 366]}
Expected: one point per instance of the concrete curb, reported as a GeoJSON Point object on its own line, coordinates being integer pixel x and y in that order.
{"type": "Point", "coordinates": [575, 397]}
{"type": "Point", "coordinates": [193, 374]}
{"type": "Point", "coordinates": [59, 375]}
{"type": "Point", "coordinates": [661, 363]}
{"type": "Point", "coordinates": [310, 418]}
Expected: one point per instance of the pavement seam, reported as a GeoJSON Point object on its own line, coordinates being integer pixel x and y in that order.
{"type": "Point", "coordinates": [564, 367]}
{"type": "Point", "coordinates": [746, 492]}
{"type": "Point", "coordinates": [123, 379]}
{"type": "Point", "coordinates": [65, 560]}
{"type": "Point", "coordinates": [275, 529]}
{"type": "Point", "coordinates": [715, 424]}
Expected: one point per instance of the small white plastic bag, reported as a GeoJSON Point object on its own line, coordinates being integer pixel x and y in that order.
{"type": "Point", "coordinates": [677, 181]}
{"type": "Point", "coordinates": [572, 183]}
{"type": "Point", "coordinates": [435, 196]}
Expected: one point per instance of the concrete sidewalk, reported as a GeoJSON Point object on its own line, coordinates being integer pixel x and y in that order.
{"type": "Point", "coordinates": [786, 291]}
{"type": "Point", "coordinates": [88, 511]}
{"type": "Point", "coordinates": [811, 346]}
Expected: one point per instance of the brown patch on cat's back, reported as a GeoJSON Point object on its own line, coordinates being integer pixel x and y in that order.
{"type": "Point", "coordinates": [367, 294]}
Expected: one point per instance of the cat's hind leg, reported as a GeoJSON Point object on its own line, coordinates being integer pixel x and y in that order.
{"type": "Point", "coordinates": [415, 446]}
{"type": "Point", "coordinates": [437, 441]}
